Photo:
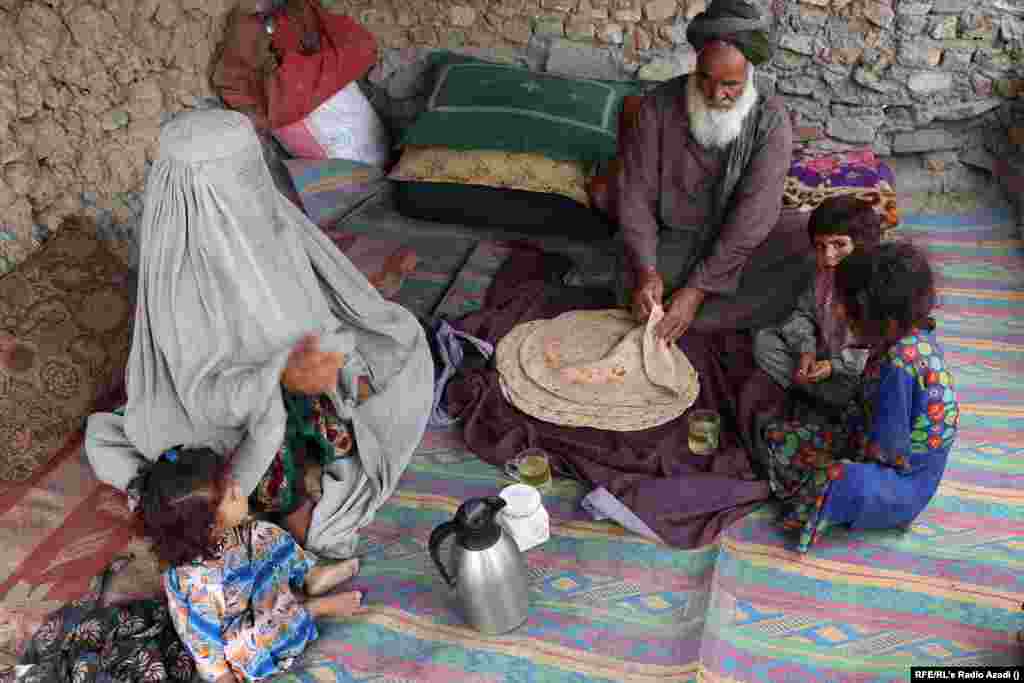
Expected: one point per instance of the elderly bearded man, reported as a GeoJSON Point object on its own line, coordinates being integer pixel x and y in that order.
{"type": "Point", "coordinates": [701, 190]}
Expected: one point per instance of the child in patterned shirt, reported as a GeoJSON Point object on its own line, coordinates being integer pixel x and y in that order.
{"type": "Point", "coordinates": [242, 593]}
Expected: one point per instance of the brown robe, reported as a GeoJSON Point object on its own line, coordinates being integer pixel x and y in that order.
{"type": "Point", "coordinates": [751, 258]}
{"type": "Point", "coordinates": [687, 499]}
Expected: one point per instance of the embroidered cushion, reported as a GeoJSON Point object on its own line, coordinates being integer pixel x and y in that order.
{"type": "Point", "coordinates": [492, 168]}
{"type": "Point", "coordinates": [479, 105]}
{"type": "Point", "coordinates": [813, 179]}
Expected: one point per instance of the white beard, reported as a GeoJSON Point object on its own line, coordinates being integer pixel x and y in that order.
{"type": "Point", "coordinates": [716, 128]}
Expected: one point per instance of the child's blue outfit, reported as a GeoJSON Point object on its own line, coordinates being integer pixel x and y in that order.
{"type": "Point", "coordinates": [881, 466]}
{"type": "Point", "coordinates": [240, 611]}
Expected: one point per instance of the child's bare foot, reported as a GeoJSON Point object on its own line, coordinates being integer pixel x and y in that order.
{"type": "Point", "coordinates": [323, 577]}
{"type": "Point", "coordinates": [392, 274]}
{"type": "Point", "coordinates": [402, 261]}
{"type": "Point", "coordinates": [336, 605]}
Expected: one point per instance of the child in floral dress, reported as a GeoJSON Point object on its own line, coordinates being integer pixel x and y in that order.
{"type": "Point", "coordinates": [242, 594]}
{"type": "Point", "coordinates": [882, 464]}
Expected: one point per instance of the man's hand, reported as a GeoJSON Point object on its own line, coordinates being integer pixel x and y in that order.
{"type": "Point", "coordinates": [311, 371]}
{"type": "Point", "coordinates": [804, 367]}
{"type": "Point", "coordinates": [649, 290]}
{"type": "Point", "coordinates": [682, 309]}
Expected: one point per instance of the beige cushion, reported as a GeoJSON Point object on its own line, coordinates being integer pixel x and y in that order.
{"type": "Point", "coordinates": [493, 168]}
{"type": "Point", "coordinates": [64, 337]}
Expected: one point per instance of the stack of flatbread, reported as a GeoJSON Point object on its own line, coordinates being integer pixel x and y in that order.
{"type": "Point", "coordinates": [596, 369]}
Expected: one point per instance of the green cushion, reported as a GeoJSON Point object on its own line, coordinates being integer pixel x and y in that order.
{"type": "Point", "coordinates": [480, 105]}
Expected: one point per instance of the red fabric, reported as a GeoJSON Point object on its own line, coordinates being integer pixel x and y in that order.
{"type": "Point", "coordinates": [239, 76]}
{"type": "Point", "coordinates": [302, 82]}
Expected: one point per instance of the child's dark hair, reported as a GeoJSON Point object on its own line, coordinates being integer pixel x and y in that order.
{"type": "Point", "coordinates": [178, 501]}
{"type": "Point", "coordinates": [847, 215]}
{"type": "Point", "coordinates": [893, 281]}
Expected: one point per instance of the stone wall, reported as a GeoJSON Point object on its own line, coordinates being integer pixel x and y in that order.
{"type": "Point", "coordinates": [927, 78]}
{"type": "Point", "coordinates": [911, 77]}
{"type": "Point", "coordinates": [84, 84]}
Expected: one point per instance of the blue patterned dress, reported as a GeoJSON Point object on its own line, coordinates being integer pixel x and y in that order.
{"type": "Point", "coordinates": [881, 466]}
{"type": "Point", "coordinates": [240, 611]}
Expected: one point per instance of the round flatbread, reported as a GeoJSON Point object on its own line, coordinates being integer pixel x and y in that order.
{"type": "Point", "coordinates": [537, 401]}
{"type": "Point", "coordinates": [598, 358]}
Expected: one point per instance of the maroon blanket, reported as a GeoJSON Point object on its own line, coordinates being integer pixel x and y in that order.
{"type": "Point", "coordinates": [686, 499]}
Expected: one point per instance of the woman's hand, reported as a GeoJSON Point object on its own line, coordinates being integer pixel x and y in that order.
{"type": "Point", "coordinates": [682, 309]}
{"type": "Point", "coordinates": [227, 678]}
{"type": "Point", "coordinates": [649, 290]}
{"type": "Point", "coordinates": [311, 371]}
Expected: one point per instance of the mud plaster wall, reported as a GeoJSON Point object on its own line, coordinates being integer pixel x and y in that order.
{"type": "Point", "coordinates": [85, 84]}
{"type": "Point", "coordinates": [83, 89]}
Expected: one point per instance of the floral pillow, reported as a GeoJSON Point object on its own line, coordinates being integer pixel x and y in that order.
{"type": "Point", "coordinates": [494, 168]}
{"type": "Point", "coordinates": [813, 179]}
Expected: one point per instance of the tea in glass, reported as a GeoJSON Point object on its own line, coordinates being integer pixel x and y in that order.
{"type": "Point", "coordinates": [530, 467]}
{"type": "Point", "coordinates": [704, 429]}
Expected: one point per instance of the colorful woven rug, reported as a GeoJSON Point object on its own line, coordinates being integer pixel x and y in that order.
{"type": "Point", "coordinates": [611, 606]}
{"type": "Point", "coordinates": [419, 291]}
{"type": "Point", "coordinates": [861, 607]}
{"type": "Point", "coordinates": [867, 606]}
{"type": "Point", "coordinates": [466, 293]}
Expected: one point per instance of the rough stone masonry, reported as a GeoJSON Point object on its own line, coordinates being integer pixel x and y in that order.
{"type": "Point", "coordinates": [84, 84]}
{"type": "Point", "coordinates": [928, 78]}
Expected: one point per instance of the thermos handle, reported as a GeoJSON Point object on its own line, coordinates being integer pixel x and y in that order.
{"type": "Point", "coordinates": [437, 536]}
{"type": "Point", "coordinates": [495, 503]}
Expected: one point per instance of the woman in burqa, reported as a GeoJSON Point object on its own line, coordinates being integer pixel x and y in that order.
{"type": "Point", "coordinates": [244, 308]}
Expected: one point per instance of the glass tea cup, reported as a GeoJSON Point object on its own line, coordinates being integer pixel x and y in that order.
{"type": "Point", "coordinates": [705, 428]}
{"type": "Point", "coordinates": [532, 467]}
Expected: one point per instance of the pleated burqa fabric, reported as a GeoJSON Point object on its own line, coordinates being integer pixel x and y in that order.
{"type": "Point", "coordinates": [232, 275]}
